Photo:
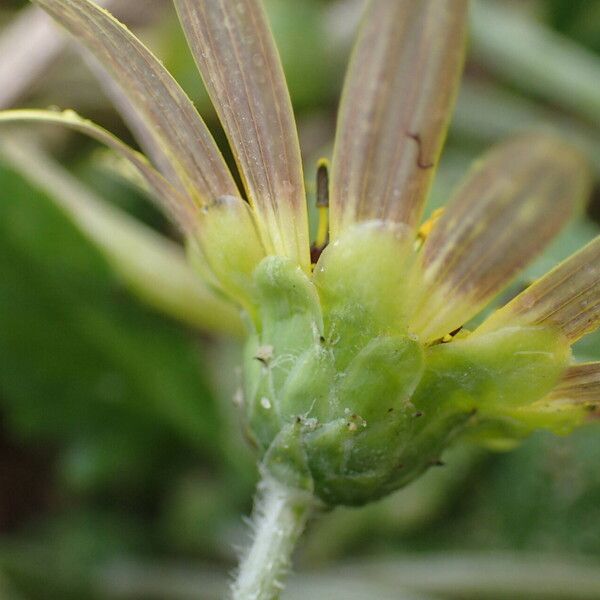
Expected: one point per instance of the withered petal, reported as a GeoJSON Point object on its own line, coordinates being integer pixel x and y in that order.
{"type": "Point", "coordinates": [238, 60]}
{"type": "Point", "coordinates": [504, 213]}
{"type": "Point", "coordinates": [395, 107]}
{"type": "Point", "coordinates": [567, 298]}
{"type": "Point", "coordinates": [169, 116]}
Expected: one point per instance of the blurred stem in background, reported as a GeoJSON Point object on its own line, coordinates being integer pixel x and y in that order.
{"type": "Point", "coordinates": [530, 56]}
{"type": "Point", "coordinates": [478, 99]}
{"type": "Point", "coordinates": [151, 266]}
{"type": "Point", "coordinates": [466, 576]}
{"type": "Point", "coordinates": [22, 63]}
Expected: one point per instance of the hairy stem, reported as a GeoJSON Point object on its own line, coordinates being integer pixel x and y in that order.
{"type": "Point", "coordinates": [278, 520]}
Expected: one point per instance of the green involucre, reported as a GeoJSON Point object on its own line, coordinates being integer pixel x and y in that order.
{"type": "Point", "coordinates": [343, 401]}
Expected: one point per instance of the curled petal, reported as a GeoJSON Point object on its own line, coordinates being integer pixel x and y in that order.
{"type": "Point", "coordinates": [238, 60]}
{"type": "Point", "coordinates": [177, 206]}
{"type": "Point", "coordinates": [514, 201]}
{"type": "Point", "coordinates": [151, 266]}
{"type": "Point", "coordinates": [22, 63]}
{"type": "Point", "coordinates": [398, 95]}
{"type": "Point", "coordinates": [567, 298]}
{"type": "Point", "coordinates": [169, 117]}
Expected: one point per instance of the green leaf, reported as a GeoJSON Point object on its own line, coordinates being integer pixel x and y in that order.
{"type": "Point", "coordinates": [77, 355]}
{"type": "Point", "coordinates": [150, 265]}
{"type": "Point", "coordinates": [543, 497]}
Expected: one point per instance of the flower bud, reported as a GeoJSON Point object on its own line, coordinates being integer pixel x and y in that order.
{"type": "Point", "coordinates": [343, 401]}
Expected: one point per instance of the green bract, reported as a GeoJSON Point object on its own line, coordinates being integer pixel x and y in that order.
{"type": "Point", "coordinates": [343, 400]}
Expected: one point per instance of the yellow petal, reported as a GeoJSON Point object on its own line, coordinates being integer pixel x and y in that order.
{"type": "Point", "coordinates": [238, 60]}
{"type": "Point", "coordinates": [567, 298]}
{"type": "Point", "coordinates": [170, 118]}
{"type": "Point", "coordinates": [398, 95]}
{"type": "Point", "coordinates": [512, 203]}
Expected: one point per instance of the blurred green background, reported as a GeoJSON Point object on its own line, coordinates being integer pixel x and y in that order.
{"type": "Point", "coordinates": [123, 472]}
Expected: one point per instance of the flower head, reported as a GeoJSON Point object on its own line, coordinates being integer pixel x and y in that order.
{"type": "Point", "coordinates": [358, 368]}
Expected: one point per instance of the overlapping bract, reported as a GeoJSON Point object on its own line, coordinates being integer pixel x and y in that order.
{"type": "Point", "coordinates": [393, 117]}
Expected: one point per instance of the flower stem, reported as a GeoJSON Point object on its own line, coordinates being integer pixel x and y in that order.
{"type": "Point", "coordinates": [279, 516]}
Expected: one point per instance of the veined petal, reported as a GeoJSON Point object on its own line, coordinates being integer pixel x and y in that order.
{"type": "Point", "coordinates": [238, 60]}
{"type": "Point", "coordinates": [567, 298]}
{"type": "Point", "coordinates": [394, 113]}
{"type": "Point", "coordinates": [197, 166]}
{"type": "Point", "coordinates": [514, 201]}
{"type": "Point", "coordinates": [177, 206]}
{"type": "Point", "coordinates": [580, 385]}
{"type": "Point", "coordinates": [134, 121]}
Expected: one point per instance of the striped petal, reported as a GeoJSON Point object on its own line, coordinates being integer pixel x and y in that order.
{"type": "Point", "coordinates": [195, 163]}
{"type": "Point", "coordinates": [177, 206]}
{"type": "Point", "coordinates": [238, 60]}
{"type": "Point", "coordinates": [394, 113]}
{"type": "Point", "coordinates": [580, 385]}
{"type": "Point", "coordinates": [567, 298]}
{"type": "Point", "coordinates": [134, 121]}
{"type": "Point", "coordinates": [514, 201]}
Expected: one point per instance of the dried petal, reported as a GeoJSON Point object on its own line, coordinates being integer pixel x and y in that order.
{"type": "Point", "coordinates": [579, 385]}
{"type": "Point", "coordinates": [395, 108]}
{"type": "Point", "coordinates": [567, 298]}
{"type": "Point", "coordinates": [514, 201]}
{"type": "Point", "coordinates": [169, 116]}
{"type": "Point", "coordinates": [237, 57]}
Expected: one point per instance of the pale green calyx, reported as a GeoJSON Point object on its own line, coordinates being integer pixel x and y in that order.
{"type": "Point", "coordinates": [344, 401]}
